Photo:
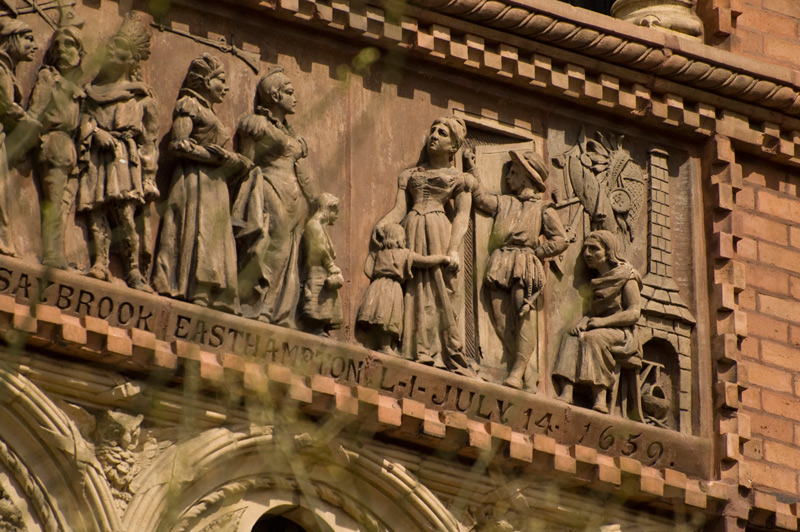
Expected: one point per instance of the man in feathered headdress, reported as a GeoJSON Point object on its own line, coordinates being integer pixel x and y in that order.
{"type": "Point", "coordinates": [118, 151]}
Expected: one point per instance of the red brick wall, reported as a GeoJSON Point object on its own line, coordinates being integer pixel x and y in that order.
{"type": "Point", "coordinates": [768, 30]}
{"type": "Point", "coordinates": [770, 366]}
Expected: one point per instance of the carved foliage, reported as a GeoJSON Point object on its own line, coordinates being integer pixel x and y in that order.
{"type": "Point", "coordinates": [10, 516]}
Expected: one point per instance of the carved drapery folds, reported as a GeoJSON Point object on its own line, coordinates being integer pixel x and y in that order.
{"type": "Point", "coordinates": [196, 257]}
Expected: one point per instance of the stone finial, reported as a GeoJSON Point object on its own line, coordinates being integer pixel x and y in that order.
{"type": "Point", "coordinates": [676, 16]}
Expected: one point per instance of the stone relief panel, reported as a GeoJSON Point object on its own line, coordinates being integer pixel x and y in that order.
{"type": "Point", "coordinates": [597, 201]}
{"type": "Point", "coordinates": [542, 264]}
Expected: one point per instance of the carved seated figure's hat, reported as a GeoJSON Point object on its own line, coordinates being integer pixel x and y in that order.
{"type": "Point", "coordinates": [534, 167]}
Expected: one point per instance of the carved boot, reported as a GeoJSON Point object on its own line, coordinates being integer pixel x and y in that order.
{"type": "Point", "coordinates": [566, 392]}
{"type": "Point", "coordinates": [101, 242]}
{"type": "Point", "coordinates": [514, 379]}
{"type": "Point", "coordinates": [134, 277]}
{"type": "Point", "coordinates": [600, 399]}
{"type": "Point", "coordinates": [99, 268]}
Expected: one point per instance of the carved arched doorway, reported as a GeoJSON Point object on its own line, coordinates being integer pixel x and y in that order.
{"type": "Point", "coordinates": [289, 519]}
{"type": "Point", "coordinates": [226, 480]}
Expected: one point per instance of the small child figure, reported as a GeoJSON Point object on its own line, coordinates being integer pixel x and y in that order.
{"type": "Point", "coordinates": [322, 308]}
{"type": "Point", "coordinates": [381, 310]}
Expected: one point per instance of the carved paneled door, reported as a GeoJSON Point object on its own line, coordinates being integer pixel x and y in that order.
{"type": "Point", "coordinates": [492, 162]}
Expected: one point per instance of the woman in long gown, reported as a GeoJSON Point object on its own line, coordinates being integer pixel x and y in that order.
{"type": "Point", "coordinates": [607, 335]}
{"type": "Point", "coordinates": [430, 333]}
{"type": "Point", "coordinates": [271, 207]}
{"type": "Point", "coordinates": [196, 259]}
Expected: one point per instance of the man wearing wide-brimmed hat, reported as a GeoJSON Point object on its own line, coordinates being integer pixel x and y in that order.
{"type": "Point", "coordinates": [514, 275]}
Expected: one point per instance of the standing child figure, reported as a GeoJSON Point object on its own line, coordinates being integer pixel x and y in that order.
{"type": "Point", "coordinates": [381, 310]}
{"type": "Point", "coordinates": [322, 308]}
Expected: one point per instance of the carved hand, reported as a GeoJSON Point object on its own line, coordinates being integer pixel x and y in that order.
{"type": "Point", "coordinates": [470, 160]}
{"type": "Point", "coordinates": [595, 323]}
{"type": "Point", "coordinates": [334, 281]}
{"type": "Point", "coordinates": [580, 327]}
{"type": "Point", "coordinates": [377, 235]}
{"type": "Point", "coordinates": [454, 263]}
{"type": "Point", "coordinates": [104, 140]}
{"type": "Point", "coordinates": [219, 152]}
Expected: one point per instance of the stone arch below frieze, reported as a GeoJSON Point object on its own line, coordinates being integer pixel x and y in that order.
{"type": "Point", "coordinates": [46, 466]}
{"type": "Point", "coordinates": [212, 476]}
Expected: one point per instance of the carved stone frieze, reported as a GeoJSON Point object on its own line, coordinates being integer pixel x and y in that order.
{"type": "Point", "coordinates": [247, 231]}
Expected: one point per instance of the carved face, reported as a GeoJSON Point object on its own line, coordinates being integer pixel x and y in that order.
{"type": "Point", "coordinates": [594, 253]}
{"type": "Point", "coordinates": [66, 52]}
{"type": "Point", "coordinates": [333, 214]}
{"type": "Point", "coordinates": [286, 99]}
{"type": "Point", "coordinates": [441, 140]}
{"type": "Point", "coordinates": [119, 58]}
{"type": "Point", "coordinates": [23, 47]}
{"type": "Point", "coordinates": [217, 88]}
{"type": "Point", "coordinates": [515, 178]}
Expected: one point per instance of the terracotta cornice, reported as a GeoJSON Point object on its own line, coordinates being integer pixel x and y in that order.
{"type": "Point", "coordinates": [652, 52]}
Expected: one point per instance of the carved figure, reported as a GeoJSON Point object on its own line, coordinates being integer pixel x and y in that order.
{"type": "Point", "coordinates": [515, 276]}
{"type": "Point", "coordinates": [381, 310]}
{"type": "Point", "coordinates": [430, 331]}
{"type": "Point", "coordinates": [119, 154]}
{"type": "Point", "coordinates": [117, 435]}
{"type": "Point", "coordinates": [16, 45]}
{"type": "Point", "coordinates": [605, 338]}
{"type": "Point", "coordinates": [322, 308]}
{"type": "Point", "coordinates": [271, 207]}
{"type": "Point", "coordinates": [196, 257]}
{"type": "Point", "coordinates": [56, 102]}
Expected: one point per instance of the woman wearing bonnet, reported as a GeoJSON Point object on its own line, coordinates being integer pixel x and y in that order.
{"type": "Point", "coordinates": [196, 259]}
